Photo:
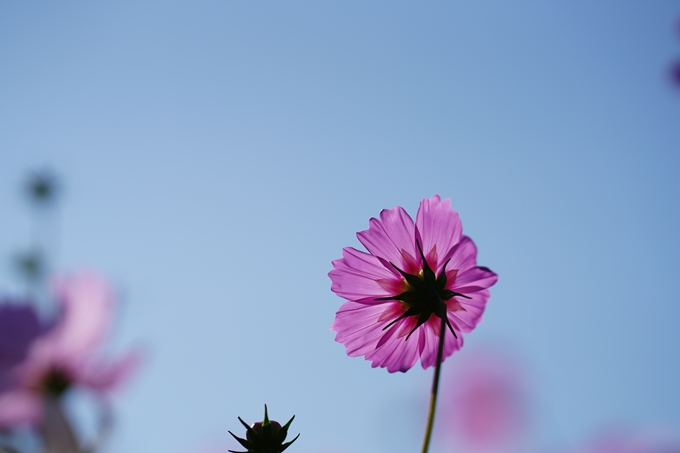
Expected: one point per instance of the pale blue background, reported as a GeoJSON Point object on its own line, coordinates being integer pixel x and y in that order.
{"type": "Point", "coordinates": [216, 156]}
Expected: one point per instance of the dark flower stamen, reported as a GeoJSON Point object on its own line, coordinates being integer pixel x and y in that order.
{"type": "Point", "coordinates": [56, 382]}
{"type": "Point", "coordinates": [426, 296]}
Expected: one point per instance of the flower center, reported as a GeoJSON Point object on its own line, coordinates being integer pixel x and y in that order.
{"type": "Point", "coordinates": [426, 295]}
{"type": "Point", "coordinates": [55, 382]}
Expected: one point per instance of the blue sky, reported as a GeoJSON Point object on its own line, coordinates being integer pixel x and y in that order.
{"type": "Point", "coordinates": [217, 156]}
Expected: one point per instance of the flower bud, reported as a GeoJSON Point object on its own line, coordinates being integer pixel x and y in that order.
{"type": "Point", "coordinates": [265, 436]}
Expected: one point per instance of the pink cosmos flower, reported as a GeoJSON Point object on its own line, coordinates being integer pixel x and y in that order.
{"type": "Point", "coordinates": [413, 276]}
{"type": "Point", "coordinates": [41, 361]}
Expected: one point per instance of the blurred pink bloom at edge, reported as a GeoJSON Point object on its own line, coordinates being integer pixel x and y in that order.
{"type": "Point", "coordinates": [41, 360]}
{"type": "Point", "coordinates": [634, 441]}
{"type": "Point", "coordinates": [485, 404]}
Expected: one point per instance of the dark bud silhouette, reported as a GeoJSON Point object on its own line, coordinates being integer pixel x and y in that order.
{"type": "Point", "coordinates": [265, 436]}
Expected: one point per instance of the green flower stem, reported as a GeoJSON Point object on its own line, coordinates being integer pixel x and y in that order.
{"type": "Point", "coordinates": [435, 386]}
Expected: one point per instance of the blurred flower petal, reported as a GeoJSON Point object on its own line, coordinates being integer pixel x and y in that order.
{"type": "Point", "coordinates": [485, 403]}
{"type": "Point", "coordinates": [19, 327]}
{"type": "Point", "coordinates": [19, 407]}
{"type": "Point", "coordinates": [104, 377]}
{"type": "Point", "coordinates": [86, 302]}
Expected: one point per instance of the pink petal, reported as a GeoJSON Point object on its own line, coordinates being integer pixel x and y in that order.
{"type": "Point", "coordinates": [405, 355]}
{"type": "Point", "coordinates": [360, 329]}
{"type": "Point", "coordinates": [103, 377]}
{"type": "Point", "coordinates": [438, 227]}
{"type": "Point", "coordinates": [390, 236]}
{"type": "Point", "coordinates": [358, 275]}
{"type": "Point", "coordinates": [429, 336]}
{"type": "Point", "coordinates": [357, 327]}
{"type": "Point", "coordinates": [471, 315]}
{"type": "Point", "coordinates": [353, 316]}
{"type": "Point", "coordinates": [86, 301]}
{"type": "Point", "coordinates": [396, 354]}
{"type": "Point", "coordinates": [462, 256]}
{"type": "Point", "coordinates": [19, 408]}
{"type": "Point", "coordinates": [396, 350]}
{"type": "Point", "coordinates": [474, 279]}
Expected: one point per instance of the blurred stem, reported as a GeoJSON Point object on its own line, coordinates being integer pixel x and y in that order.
{"type": "Point", "coordinates": [435, 386]}
{"type": "Point", "coordinates": [55, 429]}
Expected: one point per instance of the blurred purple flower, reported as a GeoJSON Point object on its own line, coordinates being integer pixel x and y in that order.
{"type": "Point", "coordinates": [675, 68]}
{"type": "Point", "coordinates": [675, 73]}
{"type": "Point", "coordinates": [40, 361]}
{"type": "Point", "coordinates": [414, 274]}
{"type": "Point", "coordinates": [19, 327]}
{"type": "Point", "coordinates": [485, 404]}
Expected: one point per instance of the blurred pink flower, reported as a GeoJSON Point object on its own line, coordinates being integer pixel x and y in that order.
{"type": "Point", "coordinates": [627, 441]}
{"type": "Point", "coordinates": [39, 361]}
{"type": "Point", "coordinates": [485, 404]}
{"type": "Point", "coordinates": [414, 274]}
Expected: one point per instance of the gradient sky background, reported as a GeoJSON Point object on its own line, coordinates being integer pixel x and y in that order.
{"type": "Point", "coordinates": [216, 156]}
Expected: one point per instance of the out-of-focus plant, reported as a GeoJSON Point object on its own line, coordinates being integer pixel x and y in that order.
{"type": "Point", "coordinates": [47, 359]}
{"type": "Point", "coordinates": [633, 441]}
{"type": "Point", "coordinates": [49, 352]}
